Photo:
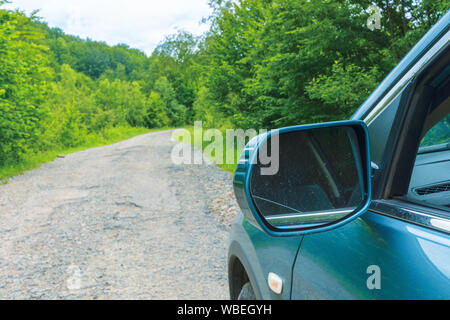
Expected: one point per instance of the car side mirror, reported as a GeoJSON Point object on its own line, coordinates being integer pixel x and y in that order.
{"type": "Point", "coordinates": [305, 179]}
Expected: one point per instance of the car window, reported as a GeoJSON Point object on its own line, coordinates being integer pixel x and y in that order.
{"type": "Point", "coordinates": [437, 136]}
{"type": "Point", "coordinates": [430, 180]}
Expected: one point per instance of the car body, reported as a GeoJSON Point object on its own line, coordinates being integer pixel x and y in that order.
{"type": "Point", "coordinates": [404, 236]}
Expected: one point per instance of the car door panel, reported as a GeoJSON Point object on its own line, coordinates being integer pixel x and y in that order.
{"type": "Point", "coordinates": [414, 261]}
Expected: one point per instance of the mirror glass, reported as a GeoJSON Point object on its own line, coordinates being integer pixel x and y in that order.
{"type": "Point", "coordinates": [319, 178]}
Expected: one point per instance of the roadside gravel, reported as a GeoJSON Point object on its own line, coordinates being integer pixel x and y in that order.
{"type": "Point", "coordinates": [116, 222]}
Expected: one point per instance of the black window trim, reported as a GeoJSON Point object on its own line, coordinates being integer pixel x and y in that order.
{"type": "Point", "coordinates": [418, 214]}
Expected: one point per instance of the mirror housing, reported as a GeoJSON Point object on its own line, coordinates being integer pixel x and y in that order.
{"type": "Point", "coordinates": [305, 179]}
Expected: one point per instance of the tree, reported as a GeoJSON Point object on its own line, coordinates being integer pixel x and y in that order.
{"type": "Point", "coordinates": [72, 110]}
{"type": "Point", "coordinates": [121, 103]}
{"type": "Point", "coordinates": [263, 64]}
{"type": "Point", "coordinates": [24, 76]}
{"type": "Point", "coordinates": [175, 111]}
{"type": "Point", "coordinates": [156, 116]}
{"type": "Point", "coordinates": [176, 58]}
{"type": "Point", "coordinates": [273, 63]}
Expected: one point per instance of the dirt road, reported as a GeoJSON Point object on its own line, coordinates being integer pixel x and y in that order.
{"type": "Point", "coordinates": [116, 222]}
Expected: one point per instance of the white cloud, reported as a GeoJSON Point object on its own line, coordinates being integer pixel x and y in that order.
{"type": "Point", "coordinates": [141, 24]}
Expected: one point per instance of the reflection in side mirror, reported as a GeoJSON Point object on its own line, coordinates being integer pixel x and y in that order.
{"type": "Point", "coordinates": [322, 177]}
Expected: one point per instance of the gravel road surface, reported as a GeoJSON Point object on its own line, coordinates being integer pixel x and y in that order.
{"type": "Point", "coordinates": [116, 222]}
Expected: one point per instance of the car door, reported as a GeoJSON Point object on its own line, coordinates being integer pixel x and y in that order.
{"type": "Point", "coordinates": [411, 261]}
{"type": "Point", "coordinates": [399, 249]}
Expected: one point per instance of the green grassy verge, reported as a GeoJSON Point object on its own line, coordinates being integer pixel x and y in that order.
{"type": "Point", "coordinates": [226, 150]}
{"type": "Point", "coordinates": [110, 136]}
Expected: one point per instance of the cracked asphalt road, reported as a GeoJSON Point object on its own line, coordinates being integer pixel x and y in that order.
{"type": "Point", "coordinates": [116, 222]}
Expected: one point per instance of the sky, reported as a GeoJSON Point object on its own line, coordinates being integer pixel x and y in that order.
{"type": "Point", "coordinates": [141, 24]}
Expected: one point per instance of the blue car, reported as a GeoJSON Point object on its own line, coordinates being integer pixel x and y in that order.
{"type": "Point", "coordinates": [357, 209]}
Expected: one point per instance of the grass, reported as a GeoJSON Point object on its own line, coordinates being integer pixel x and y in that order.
{"type": "Point", "coordinates": [32, 161]}
{"type": "Point", "coordinates": [226, 150]}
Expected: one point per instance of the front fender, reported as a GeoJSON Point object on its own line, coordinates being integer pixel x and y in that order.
{"type": "Point", "coordinates": [237, 240]}
{"type": "Point", "coordinates": [259, 254]}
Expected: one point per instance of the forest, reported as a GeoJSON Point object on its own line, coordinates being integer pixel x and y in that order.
{"type": "Point", "coordinates": [262, 64]}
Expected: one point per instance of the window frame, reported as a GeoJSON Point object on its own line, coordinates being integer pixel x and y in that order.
{"type": "Point", "coordinates": [384, 202]}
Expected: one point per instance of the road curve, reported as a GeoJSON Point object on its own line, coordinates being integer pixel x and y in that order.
{"type": "Point", "coordinates": [116, 222]}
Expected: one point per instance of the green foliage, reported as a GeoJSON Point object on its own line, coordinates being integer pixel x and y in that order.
{"type": "Point", "coordinates": [95, 58]}
{"type": "Point", "coordinates": [24, 77]}
{"type": "Point", "coordinates": [206, 111]}
{"type": "Point", "coordinates": [263, 64]}
{"type": "Point", "coordinates": [273, 63]}
{"type": "Point", "coordinates": [177, 60]}
{"type": "Point", "coordinates": [72, 109]}
{"type": "Point", "coordinates": [175, 111]}
{"type": "Point", "coordinates": [438, 134]}
{"type": "Point", "coordinates": [58, 91]}
{"type": "Point", "coordinates": [156, 116]}
{"type": "Point", "coordinates": [120, 103]}
{"type": "Point", "coordinates": [342, 90]}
